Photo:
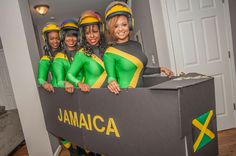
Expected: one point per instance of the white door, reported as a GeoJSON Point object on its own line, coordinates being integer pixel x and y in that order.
{"type": "Point", "coordinates": [6, 93]}
{"type": "Point", "coordinates": [199, 41]}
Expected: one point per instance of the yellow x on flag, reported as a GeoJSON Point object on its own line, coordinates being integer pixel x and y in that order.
{"type": "Point", "coordinates": [205, 135]}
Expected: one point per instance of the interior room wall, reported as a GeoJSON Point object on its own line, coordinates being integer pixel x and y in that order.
{"type": "Point", "coordinates": [34, 47]}
{"type": "Point", "coordinates": [160, 33]}
{"type": "Point", "coordinates": [143, 24]}
{"type": "Point", "coordinates": [22, 67]}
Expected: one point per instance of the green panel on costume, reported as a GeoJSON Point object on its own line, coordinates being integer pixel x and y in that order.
{"type": "Point", "coordinates": [92, 70]}
{"type": "Point", "coordinates": [61, 66]}
{"type": "Point", "coordinates": [124, 69]}
{"type": "Point", "coordinates": [44, 68]}
{"type": "Point", "coordinates": [125, 63]}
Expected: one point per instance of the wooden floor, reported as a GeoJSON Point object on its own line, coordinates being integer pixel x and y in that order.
{"type": "Point", "coordinates": [227, 145]}
{"type": "Point", "coordinates": [227, 142]}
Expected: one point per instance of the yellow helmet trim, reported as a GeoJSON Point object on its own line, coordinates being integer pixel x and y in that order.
{"type": "Point", "coordinates": [88, 20]}
{"type": "Point", "coordinates": [70, 24]}
{"type": "Point", "coordinates": [51, 27]}
{"type": "Point", "coordinates": [118, 8]}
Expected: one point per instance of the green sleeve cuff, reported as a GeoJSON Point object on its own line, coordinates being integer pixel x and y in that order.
{"type": "Point", "coordinates": [72, 79]}
{"type": "Point", "coordinates": [41, 81]}
{"type": "Point", "coordinates": [76, 83]}
{"type": "Point", "coordinates": [61, 84]}
{"type": "Point", "coordinates": [111, 79]}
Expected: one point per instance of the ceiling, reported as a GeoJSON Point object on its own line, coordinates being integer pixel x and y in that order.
{"type": "Point", "coordinates": [63, 9]}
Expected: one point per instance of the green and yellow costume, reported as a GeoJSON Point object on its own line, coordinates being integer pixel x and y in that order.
{"type": "Point", "coordinates": [44, 66]}
{"type": "Point", "coordinates": [88, 58]}
{"type": "Point", "coordinates": [126, 64]}
{"type": "Point", "coordinates": [93, 70]}
{"type": "Point", "coordinates": [61, 66]}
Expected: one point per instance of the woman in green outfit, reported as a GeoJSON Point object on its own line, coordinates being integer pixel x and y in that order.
{"type": "Point", "coordinates": [52, 46]}
{"type": "Point", "coordinates": [124, 60]}
{"type": "Point", "coordinates": [89, 58]}
{"type": "Point", "coordinates": [61, 64]}
{"type": "Point", "coordinates": [62, 61]}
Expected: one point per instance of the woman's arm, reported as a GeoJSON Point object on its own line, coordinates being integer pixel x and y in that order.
{"type": "Point", "coordinates": [59, 72]}
{"type": "Point", "coordinates": [151, 70]}
{"type": "Point", "coordinates": [110, 64]}
{"type": "Point", "coordinates": [43, 69]}
{"type": "Point", "coordinates": [75, 68]}
{"type": "Point", "coordinates": [167, 72]}
{"type": "Point", "coordinates": [158, 70]}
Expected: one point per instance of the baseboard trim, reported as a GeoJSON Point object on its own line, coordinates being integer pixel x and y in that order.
{"type": "Point", "coordinates": [58, 151]}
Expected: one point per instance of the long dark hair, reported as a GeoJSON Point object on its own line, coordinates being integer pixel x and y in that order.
{"type": "Point", "coordinates": [88, 49]}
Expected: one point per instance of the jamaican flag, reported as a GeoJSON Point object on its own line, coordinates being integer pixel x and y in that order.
{"type": "Point", "coordinates": [202, 135]}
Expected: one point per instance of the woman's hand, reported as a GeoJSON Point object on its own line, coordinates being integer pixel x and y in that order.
{"type": "Point", "coordinates": [114, 87]}
{"type": "Point", "coordinates": [84, 87]}
{"type": "Point", "coordinates": [167, 72]}
{"type": "Point", "coordinates": [48, 87]}
{"type": "Point", "coordinates": [69, 88]}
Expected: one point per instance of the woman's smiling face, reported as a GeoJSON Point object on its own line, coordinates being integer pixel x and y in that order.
{"type": "Point", "coordinates": [121, 30]}
{"type": "Point", "coordinates": [92, 34]}
{"type": "Point", "coordinates": [53, 39]}
{"type": "Point", "coordinates": [71, 42]}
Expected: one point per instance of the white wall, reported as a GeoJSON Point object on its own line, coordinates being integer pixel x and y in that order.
{"type": "Point", "coordinates": [20, 50]}
{"type": "Point", "coordinates": [160, 33]}
{"type": "Point", "coordinates": [143, 23]}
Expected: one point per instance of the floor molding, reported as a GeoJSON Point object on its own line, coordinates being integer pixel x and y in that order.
{"type": "Point", "coordinates": [57, 153]}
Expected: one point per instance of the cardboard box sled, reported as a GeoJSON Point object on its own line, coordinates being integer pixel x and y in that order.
{"type": "Point", "coordinates": [167, 118]}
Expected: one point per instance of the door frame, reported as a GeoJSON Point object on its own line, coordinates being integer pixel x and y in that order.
{"type": "Point", "coordinates": [229, 45]}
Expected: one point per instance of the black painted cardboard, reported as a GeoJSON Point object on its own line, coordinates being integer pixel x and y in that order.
{"type": "Point", "coordinates": [150, 121]}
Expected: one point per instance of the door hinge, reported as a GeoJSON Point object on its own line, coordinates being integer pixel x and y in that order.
{"type": "Point", "coordinates": [229, 54]}
{"type": "Point", "coordinates": [223, 1]}
{"type": "Point", "coordinates": [234, 106]}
